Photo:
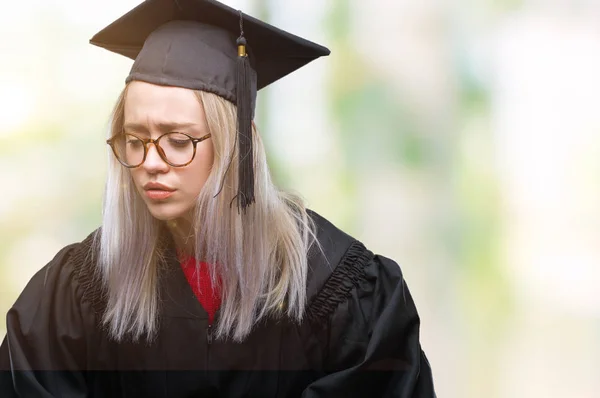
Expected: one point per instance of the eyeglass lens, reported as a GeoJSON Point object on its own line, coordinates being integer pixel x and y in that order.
{"type": "Point", "coordinates": [177, 148]}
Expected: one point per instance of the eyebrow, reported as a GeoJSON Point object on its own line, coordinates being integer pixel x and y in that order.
{"type": "Point", "coordinates": [166, 127]}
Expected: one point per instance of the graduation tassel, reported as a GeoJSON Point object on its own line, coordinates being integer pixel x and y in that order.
{"type": "Point", "coordinates": [245, 196]}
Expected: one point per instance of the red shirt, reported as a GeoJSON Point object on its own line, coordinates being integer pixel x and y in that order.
{"type": "Point", "coordinates": [208, 295]}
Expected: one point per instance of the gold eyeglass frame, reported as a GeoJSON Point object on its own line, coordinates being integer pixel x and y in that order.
{"type": "Point", "coordinates": [159, 149]}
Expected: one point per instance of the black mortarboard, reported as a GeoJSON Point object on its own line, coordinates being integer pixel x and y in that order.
{"type": "Point", "coordinates": [206, 45]}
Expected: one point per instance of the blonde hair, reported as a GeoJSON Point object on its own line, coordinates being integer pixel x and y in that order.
{"type": "Point", "coordinates": [260, 256]}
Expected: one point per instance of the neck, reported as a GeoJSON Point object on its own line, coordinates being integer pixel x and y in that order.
{"type": "Point", "coordinates": [183, 235]}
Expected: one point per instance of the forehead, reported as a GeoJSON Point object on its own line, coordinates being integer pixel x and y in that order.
{"type": "Point", "coordinates": [149, 103]}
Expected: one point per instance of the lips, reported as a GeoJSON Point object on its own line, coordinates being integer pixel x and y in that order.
{"type": "Point", "coordinates": [158, 194]}
{"type": "Point", "coordinates": [156, 186]}
{"type": "Point", "coordinates": [157, 191]}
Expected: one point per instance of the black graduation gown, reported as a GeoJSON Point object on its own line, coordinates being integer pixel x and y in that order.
{"type": "Point", "coordinates": [360, 337]}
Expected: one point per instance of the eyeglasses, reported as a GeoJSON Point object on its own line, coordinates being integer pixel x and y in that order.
{"type": "Point", "coordinates": [176, 149]}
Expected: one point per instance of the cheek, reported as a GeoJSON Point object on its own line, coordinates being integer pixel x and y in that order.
{"type": "Point", "coordinates": [205, 157]}
{"type": "Point", "coordinates": [136, 176]}
{"type": "Point", "coordinates": [196, 174]}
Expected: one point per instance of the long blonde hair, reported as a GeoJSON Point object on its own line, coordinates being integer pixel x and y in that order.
{"type": "Point", "coordinates": [260, 256]}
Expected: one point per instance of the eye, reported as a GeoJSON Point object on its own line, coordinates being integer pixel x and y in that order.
{"type": "Point", "coordinates": [178, 140]}
{"type": "Point", "coordinates": [132, 141]}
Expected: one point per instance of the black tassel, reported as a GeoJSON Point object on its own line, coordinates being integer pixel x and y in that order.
{"type": "Point", "coordinates": [245, 195]}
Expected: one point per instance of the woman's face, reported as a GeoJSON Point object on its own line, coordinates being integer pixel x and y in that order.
{"type": "Point", "coordinates": [150, 111]}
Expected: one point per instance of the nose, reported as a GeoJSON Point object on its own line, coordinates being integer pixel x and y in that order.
{"type": "Point", "coordinates": [154, 163]}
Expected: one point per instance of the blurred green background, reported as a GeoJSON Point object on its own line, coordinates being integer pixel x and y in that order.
{"type": "Point", "coordinates": [460, 138]}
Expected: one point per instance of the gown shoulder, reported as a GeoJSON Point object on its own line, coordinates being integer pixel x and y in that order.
{"type": "Point", "coordinates": [49, 331]}
{"type": "Point", "coordinates": [363, 301]}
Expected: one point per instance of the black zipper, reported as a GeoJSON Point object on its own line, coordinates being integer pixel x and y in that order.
{"type": "Point", "coordinates": [209, 336]}
{"type": "Point", "coordinates": [209, 339]}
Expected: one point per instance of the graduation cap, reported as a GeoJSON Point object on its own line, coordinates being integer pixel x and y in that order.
{"type": "Point", "coordinates": [206, 45]}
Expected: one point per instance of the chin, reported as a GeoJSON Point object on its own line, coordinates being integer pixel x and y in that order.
{"type": "Point", "coordinates": [164, 212]}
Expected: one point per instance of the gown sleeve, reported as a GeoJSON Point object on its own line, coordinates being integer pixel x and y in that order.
{"type": "Point", "coordinates": [374, 347]}
{"type": "Point", "coordinates": [44, 351]}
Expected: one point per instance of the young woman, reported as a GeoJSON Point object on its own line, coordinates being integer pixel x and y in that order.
{"type": "Point", "coordinates": [204, 279]}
